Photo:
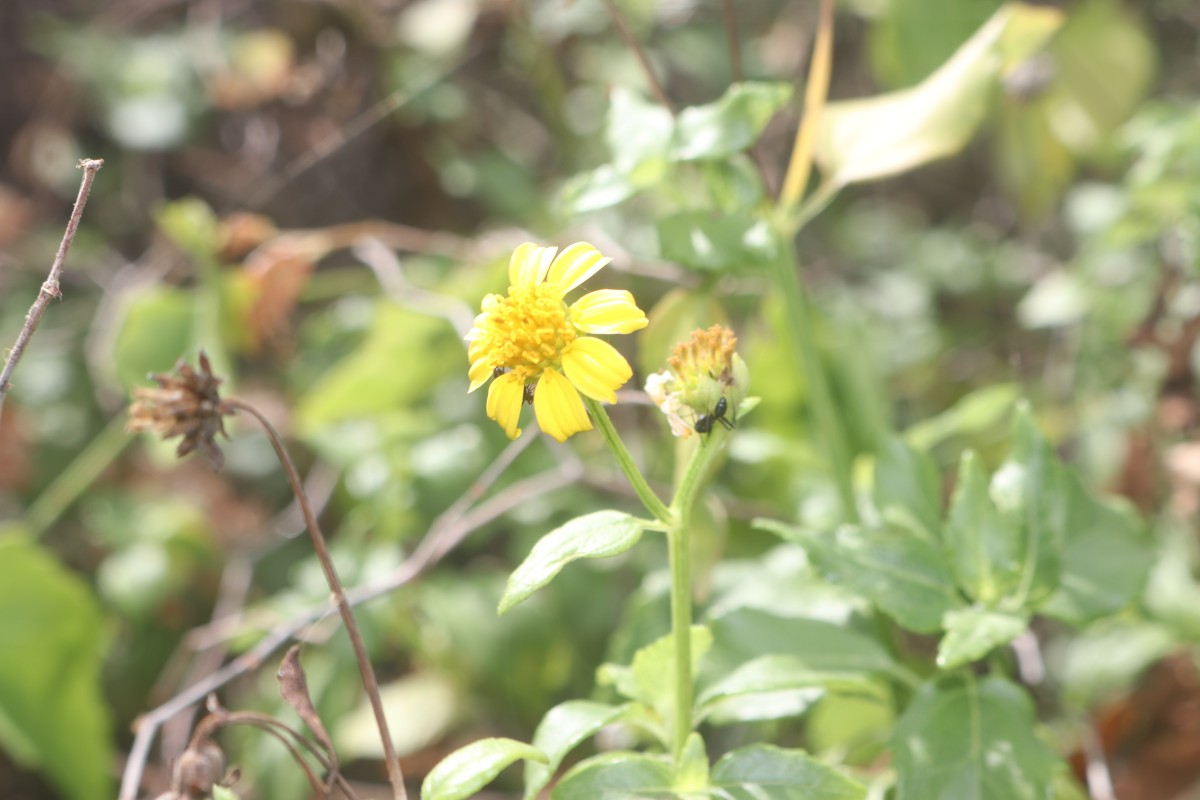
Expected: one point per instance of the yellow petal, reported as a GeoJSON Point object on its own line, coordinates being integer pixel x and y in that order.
{"type": "Point", "coordinates": [558, 407]}
{"type": "Point", "coordinates": [595, 368]}
{"type": "Point", "coordinates": [479, 373]}
{"type": "Point", "coordinates": [529, 264]}
{"type": "Point", "coordinates": [608, 311]}
{"type": "Point", "coordinates": [505, 396]}
{"type": "Point", "coordinates": [575, 265]}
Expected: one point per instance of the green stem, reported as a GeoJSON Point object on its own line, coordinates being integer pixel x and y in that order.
{"type": "Point", "coordinates": [681, 584]}
{"type": "Point", "coordinates": [625, 461]}
{"type": "Point", "coordinates": [681, 634]}
{"type": "Point", "coordinates": [801, 324]}
{"type": "Point", "coordinates": [78, 476]}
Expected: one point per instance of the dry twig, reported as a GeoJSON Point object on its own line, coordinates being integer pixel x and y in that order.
{"type": "Point", "coordinates": [50, 288]}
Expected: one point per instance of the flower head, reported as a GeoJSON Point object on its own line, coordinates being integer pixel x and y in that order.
{"type": "Point", "coordinates": [707, 380]}
{"type": "Point", "coordinates": [537, 348]}
{"type": "Point", "coordinates": [185, 403]}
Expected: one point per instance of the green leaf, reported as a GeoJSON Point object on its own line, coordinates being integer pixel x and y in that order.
{"type": "Point", "coordinates": [560, 731]}
{"type": "Point", "coordinates": [904, 575]}
{"type": "Point", "coordinates": [963, 737]}
{"type": "Point", "coordinates": [862, 140]}
{"type": "Point", "coordinates": [973, 414]}
{"type": "Point", "coordinates": [1105, 559]}
{"type": "Point", "coordinates": [747, 633]}
{"type": "Point", "coordinates": [616, 776]}
{"type": "Point", "coordinates": [650, 679]}
{"type": "Point", "coordinates": [766, 772]}
{"type": "Point", "coordinates": [1028, 493]}
{"type": "Point", "coordinates": [52, 711]}
{"type": "Point", "coordinates": [972, 633]}
{"type": "Point", "coordinates": [596, 189]}
{"type": "Point", "coordinates": [155, 331]}
{"type": "Point", "coordinates": [691, 773]}
{"type": "Point", "coordinates": [468, 769]}
{"type": "Point", "coordinates": [709, 241]}
{"type": "Point", "coordinates": [731, 124]}
{"type": "Point", "coordinates": [775, 687]}
{"type": "Point", "coordinates": [369, 382]}
{"type": "Point", "coordinates": [602, 534]}
{"type": "Point", "coordinates": [908, 480]}
{"type": "Point", "coordinates": [985, 548]}
{"type": "Point", "coordinates": [639, 135]}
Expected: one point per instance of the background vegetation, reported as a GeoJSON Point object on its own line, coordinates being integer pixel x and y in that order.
{"type": "Point", "coordinates": [319, 194]}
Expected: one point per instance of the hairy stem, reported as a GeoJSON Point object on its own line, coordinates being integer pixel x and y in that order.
{"type": "Point", "coordinates": [50, 288]}
{"type": "Point", "coordinates": [339, 597]}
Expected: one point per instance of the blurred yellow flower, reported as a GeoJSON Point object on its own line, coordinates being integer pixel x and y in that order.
{"type": "Point", "coordinates": [536, 347]}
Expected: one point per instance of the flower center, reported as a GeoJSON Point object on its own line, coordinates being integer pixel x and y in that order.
{"type": "Point", "coordinates": [528, 330]}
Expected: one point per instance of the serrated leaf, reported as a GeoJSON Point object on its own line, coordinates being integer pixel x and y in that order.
{"type": "Point", "coordinates": [602, 534]}
{"type": "Point", "coordinates": [1105, 559]}
{"type": "Point", "coordinates": [468, 769]}
{"type": "Point", "coordinates": [616, 776]}
{"type": "Point", "coordinates": [861, 140]}
{"type": "Point", "coordinates": [908, 480]}
{"type": "Point", "coordinates": [904, 575]}
{"type": "Point", "coordinates": [562, 729]}
{"type": "Point", "coordinates": [710, 241]}
{"type": "Point", "coordinates": [729, 125]}
{"type": "Point", "coordinates": [52, 712]}
{"type": "Point", "coordinates": [653, 671]}
{"type": "Point", "coordinates": [766, 772]}
{"type": "Point", "coordinates": [964, 737]}
{"type": "Point", "coordinates": [985, 548]}
{"type": "Point", "coordinates": [972, 633]}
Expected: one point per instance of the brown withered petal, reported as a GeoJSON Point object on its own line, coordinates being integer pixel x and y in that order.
{"type": "Point", "coordinates": [185, 403]}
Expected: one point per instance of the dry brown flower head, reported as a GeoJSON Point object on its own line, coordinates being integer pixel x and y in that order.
{"type": "Point", "coordinates": [185, 403]}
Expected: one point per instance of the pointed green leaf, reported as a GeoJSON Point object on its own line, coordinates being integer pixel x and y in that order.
{"type": "Point", "coordinates": [731, 124]}
{"type": "Point", "coordinates": [52, 712]}
{"type": "Point", "coordinates": [468, 769]}
{"type": "Point", "coordinates": [616, 776]}
{"type": "Point", "coordinates": [1029, 494]}
{"type": "Point", "coordinates": [861, 140]}
{"type": "Point", "coordinates": [747, 633]}
{"type": "Point", "coordinates": [774, 687]}
{"type": "Point", "coordinates": [963, 737]}
{"type": "Point", "coordinates": [765, 772]}
{"type": "Point", "coordinates": [691, 775]}
{"type": "Point", "coordinates": [985, 548]}
{"type": "Point", "coordinates": [1105, 560]}
{"type": "Point", "coordinates": [907, 479]}
{"type": "Point", "coordinates": [562, 729]}
{"type": "Point", "coordinates": [602, 534]}
{"type": "Point", "coordinates": [973, 414]}
{"type": "Point", "coordinates": [903, 574]}
{"type": "Point", "coordinates": [972, 633]}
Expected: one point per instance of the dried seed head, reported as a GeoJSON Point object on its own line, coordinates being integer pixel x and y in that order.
{"type": "Point", "coordinates": [185, 403]}
{"type": "Point", "coordinates": [198, 770]}
{"type": "Point", "coordinates": [707, 380]}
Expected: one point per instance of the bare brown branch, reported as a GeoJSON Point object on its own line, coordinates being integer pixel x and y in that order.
{"type": "Point", "coordinates": [50, 288]}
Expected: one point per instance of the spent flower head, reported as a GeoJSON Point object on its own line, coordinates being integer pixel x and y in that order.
{"type": "Point", "coordinates": [185, 403]}
{"type": "Point", "coordinates": [536, 348]}
{"type": "Point", "coordinates": [705, 378]}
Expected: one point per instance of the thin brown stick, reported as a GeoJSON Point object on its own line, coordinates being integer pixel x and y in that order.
{"type": "Point", "coordinates": [370, 683]}
{"type": "Point", "coordinates": [731, 36]}
{"type": "Point", "coordinates": [50, 288]}
{"type": "Point", "coordinates": [432, 549]}
{"type": "Point", "coordinates": [633, 44]}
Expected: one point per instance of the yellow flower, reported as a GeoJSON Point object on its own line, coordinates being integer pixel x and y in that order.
{"type": "Point", "coordinates": [536, 347]}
